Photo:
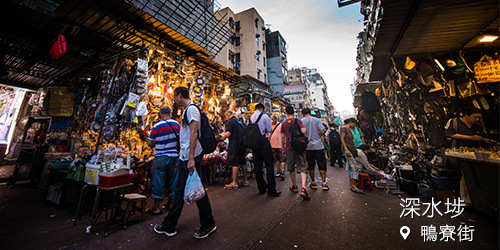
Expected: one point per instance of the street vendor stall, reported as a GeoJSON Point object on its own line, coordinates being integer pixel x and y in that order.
{"type": "Point", "coordinates": [426, 81]}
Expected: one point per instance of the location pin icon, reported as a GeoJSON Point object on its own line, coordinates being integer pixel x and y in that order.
{"type": "Point", "coordinates": [404, 231]}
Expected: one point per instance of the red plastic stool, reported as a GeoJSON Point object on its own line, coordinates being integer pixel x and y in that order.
{"type": "Point", "coordinates": [361, 181]}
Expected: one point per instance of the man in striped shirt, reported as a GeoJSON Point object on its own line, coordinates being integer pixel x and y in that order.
{"type": "Point", "coordinates": [165, 138]}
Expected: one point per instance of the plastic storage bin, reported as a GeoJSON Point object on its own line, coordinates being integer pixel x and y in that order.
{"type": "Point", "coordinates": [113, 181]}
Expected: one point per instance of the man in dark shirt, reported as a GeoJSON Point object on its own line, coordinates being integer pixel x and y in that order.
{"type": "Point", "coordinates": [236, 149]}
{"type": "Point", "coordinates": [467, 131]}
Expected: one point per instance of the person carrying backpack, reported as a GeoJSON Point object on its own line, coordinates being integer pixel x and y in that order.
{"type": "Point", "coordinates": [335, 146]}
{"type": "Point", "coordinates": [292, 132]}
{"type": "Point", "coordinates": [190, 156]}
{"type": "Point", "coordinates": [264, 153]}
{"type": "Point", "coordinates": [236, 149]}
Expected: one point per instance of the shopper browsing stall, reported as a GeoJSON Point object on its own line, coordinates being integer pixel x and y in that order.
{"type": "Point", "coordinates": [191, 156]}
{"type": "Point", "coordinates": [164, 137]}
{"type": "Point", "coordinates": [350, 152]}
{"type": "Point", "coordinates": [236, 149]}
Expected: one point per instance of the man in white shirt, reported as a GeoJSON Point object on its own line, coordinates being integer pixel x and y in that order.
{"type": "Point", "coordinates": [190, 159]}
{"type": "Point", "coordinates": [264, 155]}
{"type": "Point", "coordinates": [364, 166]}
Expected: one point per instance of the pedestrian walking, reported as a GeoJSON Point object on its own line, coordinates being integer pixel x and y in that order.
{"type": "Point", "coordinates": [264, 155]}
{"type": "Point", "coordinates": [350, 152]}
{"type": "Point", "coordinates": [335, 146]}
{"type": "Point", "coordinates": [315, 153]}
{"type": "Point", "coordinates": [164, 137]}
{"type": "Point", "coordinates": [236, 149]}
{"type": "Point", "coordinates": [279, 154]}
{"type": "Point", "coordinates": [190, 157]}
{"type": "Point", "coordinates": [295, 161]}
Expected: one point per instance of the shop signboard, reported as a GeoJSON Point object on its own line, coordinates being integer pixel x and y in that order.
{"type": "Point", "coordinates": [487, 71]}
{"type": "Point", "coordinates": [296, 98]}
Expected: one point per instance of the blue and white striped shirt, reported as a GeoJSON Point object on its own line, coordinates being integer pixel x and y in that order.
{"type": "Point", "coordinates": [165, 139]}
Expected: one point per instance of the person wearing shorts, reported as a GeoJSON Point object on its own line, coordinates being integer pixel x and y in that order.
{"type": "Point", "coordinates": [296, 162]}
{"type": "Point", "coordinates": [279, 153]}
{"type": "Point", "coordinates": [235, 152]}
{"type": "Point", "coordinates": [315, 153]}
{"type": "Point", "coordinates": [350, 151]}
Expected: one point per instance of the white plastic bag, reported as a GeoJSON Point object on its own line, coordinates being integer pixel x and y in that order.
{"type": "Point", "coordinates": [194, 190]}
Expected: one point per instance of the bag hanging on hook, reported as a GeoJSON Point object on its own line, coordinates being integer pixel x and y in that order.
{"type": "Point", "coordinates": [59, 47]}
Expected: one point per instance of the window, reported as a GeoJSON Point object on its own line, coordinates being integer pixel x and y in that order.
{"type": "Point", "coordinates": [231, 22]}
{"type": "Point", "coordinates": [264, 61]}
{"type": "Point", "coordinates": [256, 23]}
{"type": "Point", "coordinates": [301, 106]}
{"type": "Point", "coordinates": [258, 75]}
{"type": "Point", "coordinates": [237, 25]}
{"type": "Point", "coordinates": [265, 78]}
{"type": "Point", "coordinates": [237, 41]}
{"type": "Point", "coordinates": [231, 40]}
{"type": "Point", "coordinates": [258, 57]}
{"type": "Point", "coordinates": [237, 57]}
{"type": "Point", "coordinates": [263, 31]}
{"type": "Point", "coordinates": [231, 56]}
{"type": "Point", "coordinates": [263, 45]}
{"type": "Point", "coordinates": [257, 40]}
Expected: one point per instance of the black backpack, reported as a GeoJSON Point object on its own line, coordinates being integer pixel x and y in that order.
{"type": "Point", "coordinates": [206, 135]}
{"type": "Point", "coordinates": [253, 136]}
{"type": "Point", "coordinates": [241, 130]}
{"type": "Point", "coordinates": [298, 140]}
{"type": "Point", "coordinates": [334, 138]}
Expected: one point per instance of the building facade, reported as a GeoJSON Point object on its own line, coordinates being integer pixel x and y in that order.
{"type": "Point", "coordinates": [297, 89]}
{"type": "Point", "coordinates": [245, 52]}
{"type": "Point", "coordinates": [277, 62]}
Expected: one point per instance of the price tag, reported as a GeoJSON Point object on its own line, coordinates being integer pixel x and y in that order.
{"type": "Point", "coordinates": [132, 105]}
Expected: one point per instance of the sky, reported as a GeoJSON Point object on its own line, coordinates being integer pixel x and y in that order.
{"type": "Point", "coordinates": [319, 35]}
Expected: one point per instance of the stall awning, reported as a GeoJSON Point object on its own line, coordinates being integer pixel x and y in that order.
{"type": "Point", "coordinates": [98, 32]}
{"type": "Point", "coordinates": [428, 26]}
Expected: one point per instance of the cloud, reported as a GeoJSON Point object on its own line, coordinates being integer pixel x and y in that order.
{"type": "Point", "coordinates": [319, 35]}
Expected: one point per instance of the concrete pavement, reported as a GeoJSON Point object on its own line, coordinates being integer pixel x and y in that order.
{"type": "Point", "coordinates": [335, 219]}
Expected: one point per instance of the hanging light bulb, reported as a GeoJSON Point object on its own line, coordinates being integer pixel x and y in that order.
{"type": "Point", "coordinates": [152, 79]}
{"type": "Point", "coordinates": [170, 90]}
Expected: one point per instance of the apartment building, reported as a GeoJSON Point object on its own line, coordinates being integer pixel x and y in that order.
{"type": "Point", "coordinates": [277, 62]}
{"type": "Point", "coordinates": [245, 52]}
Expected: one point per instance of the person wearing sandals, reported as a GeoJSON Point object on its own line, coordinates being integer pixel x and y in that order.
{"type": "Point", "coordinates": [164, 138]}
{"type": "Point", "coordinates": [235, 150]}
{"type": "Point", "coordinates": [350, 151]}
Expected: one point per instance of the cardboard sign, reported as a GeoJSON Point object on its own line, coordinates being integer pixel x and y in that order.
{"type": "Point", "coordinates": [487, 71]}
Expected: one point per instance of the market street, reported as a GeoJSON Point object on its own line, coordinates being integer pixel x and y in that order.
{"type": "Point", "coordinates": [335, 219]}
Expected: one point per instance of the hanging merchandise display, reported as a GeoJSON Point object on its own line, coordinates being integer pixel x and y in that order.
{"type": "Point", "coordinates": [120, 112]}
